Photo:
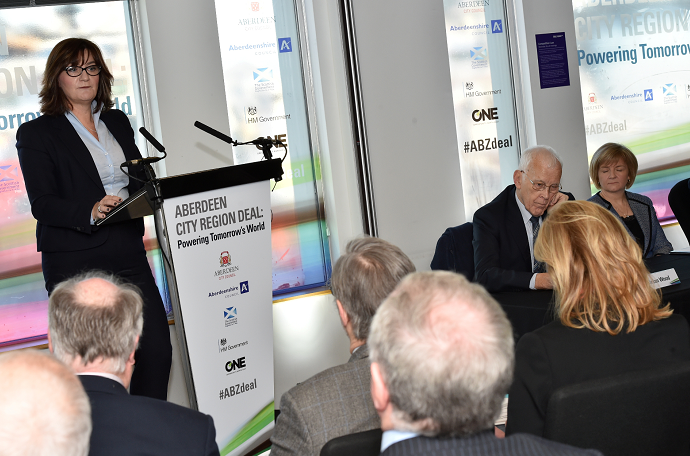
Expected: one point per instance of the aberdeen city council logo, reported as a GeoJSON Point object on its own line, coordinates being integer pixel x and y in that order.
{"type": "Point", "coordinates": [225, 259]}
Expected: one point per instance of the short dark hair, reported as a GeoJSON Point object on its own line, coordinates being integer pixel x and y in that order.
{"type": "Point", "coordinates": [66, 53]}
{"type": "Point", "coordinates": [364, 275]}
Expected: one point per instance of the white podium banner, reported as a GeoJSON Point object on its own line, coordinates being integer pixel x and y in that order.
{"type": "Point", "coordinates": [220, 243]}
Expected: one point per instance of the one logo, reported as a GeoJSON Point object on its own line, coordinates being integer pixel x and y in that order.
{"type": "Point", "coordinates": [648, 95]}
{"type": "Point", "coordinates": [478, 53]}
{"type": "Point", "coordinates": [235, 365]}
{"type": "Point", "coordinates": [255, 6]}
{"type": "Point", "coordinates": [592, 98]}
{"type": "Point", "coordinates": [244, 287]}
{"type": "Point", "coordinates": [230, 313]}
{"type": "Point", "coordinates": [284, 44]}
{"type": "Point", "coordinates": [469, 85]}
{"type": "Point", "coordinates": [485, 114]}
{"type": "Point", "coordinates": [9, 173]}
{"type": "Point", "coordinates": [669, 90]}
{"type": "Point", "coordinates": [251, 110]}
{"type": "Point", "coordinates": [225, 259]}
{"type": "Point", "coordinates": [263, 75]}
{"type": "Point", "coordinates": [497, 26]}
{"type": "Point", "coordinates": [4, 47]}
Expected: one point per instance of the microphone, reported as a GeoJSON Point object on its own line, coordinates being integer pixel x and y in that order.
{"type": "Point", "coordinates": [223, 137]}
{"type": "Point", "coordinates": [267, 141]}
{"type": "Point", "coordinates": [149, 137]}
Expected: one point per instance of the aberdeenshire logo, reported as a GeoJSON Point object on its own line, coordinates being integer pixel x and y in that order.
{"type": "Point", "coordinates": [230, 316]}
{"type": "Point", "coordinates": [284, 45]}
{"type": "Point", "coordinates": [496, 26]}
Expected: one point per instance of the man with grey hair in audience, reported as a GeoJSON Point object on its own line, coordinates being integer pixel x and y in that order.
{"type": "Point", "coordinates": [505, 229]}
{"type": "Point", "coordinates": [94, 325]}
{"type": "Point", "coordinates": [441, 362]}
{"type": "Point", "coordinates": [44, 410]}
{"type": "Point", "coordinates": [337, 401]}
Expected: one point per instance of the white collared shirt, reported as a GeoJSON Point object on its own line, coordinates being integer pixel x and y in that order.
{"type": "Point", "coordinates": [390, 437]}
{"type": "Point", "coordinates": [104, 374]}
{"type": "Point", "coordinates": [526, 216]}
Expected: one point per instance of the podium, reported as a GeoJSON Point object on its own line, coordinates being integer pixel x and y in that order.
{"type": "Point", "coordinates": [214, 231]}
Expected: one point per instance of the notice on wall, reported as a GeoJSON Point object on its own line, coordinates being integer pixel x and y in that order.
{"type": "Point", "coordinates": [220, 243]}
{"type": "Point", "coordinates": [552, 58]}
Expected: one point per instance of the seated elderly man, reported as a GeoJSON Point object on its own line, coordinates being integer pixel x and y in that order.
{"type": "Point", "coordinates": [505, 228]}
{"type": "Point", "coordinates": [94, 325]}
{"type": "Point", "coordinates": [337, 401]}
{"type": "Point", "coordinates": [44, 410]}
{"type": "Point", "coordinates": [441, 362]}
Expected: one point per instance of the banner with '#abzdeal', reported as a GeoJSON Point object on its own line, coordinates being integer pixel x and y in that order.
{"type": "Point", "coordinates": [221, 248]}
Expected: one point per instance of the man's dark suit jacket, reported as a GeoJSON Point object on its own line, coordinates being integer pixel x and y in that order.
{"type": "Point", "coordinates": [502, 261]}
{"type": "Point", "coordinates": [555, 356]}
{"type": "Point", "coordinates": [485, 444]}
{"type": "Point", "coordinates": [62, 180]}
{"type": "Point", "coordinates": [137, 425]}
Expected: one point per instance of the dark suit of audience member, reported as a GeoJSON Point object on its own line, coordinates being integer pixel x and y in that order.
{"type": "Point", "coordinates": [503, 229]}
{"type": "Point", "coordinates": [337, 401]}
{"type": "Point", "coordinates": [442, 361]}
{"type": "Point", "coordinates": [581, 346]}
{"type": "Point", "coordinates": [94, 325]}
{"type": "Point", "coordinates": [136, 425]}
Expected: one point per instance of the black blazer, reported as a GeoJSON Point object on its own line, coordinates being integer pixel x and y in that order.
{"type": "Point", "coordinates": [554, 356]}
{"type": "Point", "coordinates": [486, 444]}
{"type": "Point", "coordinates": [63, 183]}
{"type": "Point", "coordinates": [138, 425]}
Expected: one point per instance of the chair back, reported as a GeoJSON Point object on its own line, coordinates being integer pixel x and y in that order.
{"type": "Point", "coordinates": [454, 251]}
{"type": "Point", "coordinates": [367, 443]}
{"type": "Point", "coordinates": [637, 413]}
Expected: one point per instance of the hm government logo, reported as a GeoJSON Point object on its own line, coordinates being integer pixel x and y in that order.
{"type": "Point", "coordinates": [230, 316]}
{"type": "Point", "coordinates": [235, 365]}
{"type": "Point", "coordinates": [496, 26]}
{"type": "Point", "coordinates": [479, 57]}
{"type": "Point", "coordinates": [263, 80]}
{"type": "Point", "coordinates": [284, 44]}
{"type": "Point", "coordinates": [469, 85]}
{"type": "Point", "coordinates": [251, 110]}
{"type": "Point", "coordinates": [223, 345]}
{"type": "Point", "coordinates": [687, 90]}
{"type": "Point", "coordinates": [670, 93]}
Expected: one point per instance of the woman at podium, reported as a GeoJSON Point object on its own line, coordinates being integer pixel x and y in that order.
{"type": "Point", "coordinates": [70, 157]}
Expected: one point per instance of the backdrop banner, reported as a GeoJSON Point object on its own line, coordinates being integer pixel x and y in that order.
{"type": "Point", "coordinates": [220, 242]}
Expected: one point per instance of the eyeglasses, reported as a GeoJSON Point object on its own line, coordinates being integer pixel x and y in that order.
{"type": "Point", "coordinates": [75, 71]}
{"type": "Point", "coordinates": [541, 186]}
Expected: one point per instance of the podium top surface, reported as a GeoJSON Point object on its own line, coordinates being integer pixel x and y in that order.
{"type": "Point", "coordinates": [229, 176]}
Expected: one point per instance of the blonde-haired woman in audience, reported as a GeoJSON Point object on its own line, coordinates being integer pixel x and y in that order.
{"type": "Point", "coordinates": [613, 170]}
{"type": "Point", "coordinates": [609, 318]}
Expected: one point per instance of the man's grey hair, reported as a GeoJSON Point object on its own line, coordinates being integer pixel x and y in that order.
{"type": "Point", "coordinates": [44, 410]}
{"type": "Point", "coordinates": [93, 330]}
{"type": "Point", "coordinates": [528, 155]}
{"type": "Point", "coordinates": [364, 275]}
{"type": "Point", "coordinates": [445, 349]}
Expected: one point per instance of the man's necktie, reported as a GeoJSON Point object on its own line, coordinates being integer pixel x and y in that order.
{"type": "Point", "coordinates": [538, 266]}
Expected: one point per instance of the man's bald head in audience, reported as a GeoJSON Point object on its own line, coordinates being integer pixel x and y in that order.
{"type": "Point", "coordinates": [44, 410]}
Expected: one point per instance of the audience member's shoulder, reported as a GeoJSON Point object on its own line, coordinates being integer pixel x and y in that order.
{"type": "Point", "coordinates": [532, 444]}
{"type": "Point", "coordinates": [353, 369]}
{"type": "Point", "coordinates": [496, 204]}
{"type": "Point", "coordinates": [173, 411]}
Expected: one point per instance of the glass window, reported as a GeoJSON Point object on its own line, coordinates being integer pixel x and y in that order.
{"type": "Point", "coordinates": [265, 94]}
{"type": "Point", "coordinates": [482, 84]}
{"type": "Point", "coordinates": [635, 89]}
{"type": "Point", "coordinates": [27, 35]}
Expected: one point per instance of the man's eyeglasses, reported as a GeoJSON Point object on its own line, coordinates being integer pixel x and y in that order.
{"type": "Point", "coordinates": [541, 186]}
{"type": "Point", "coordinates": [75, 71]}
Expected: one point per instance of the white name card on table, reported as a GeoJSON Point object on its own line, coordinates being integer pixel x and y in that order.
{"type": "Point", "coordinates": [664, 278]}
